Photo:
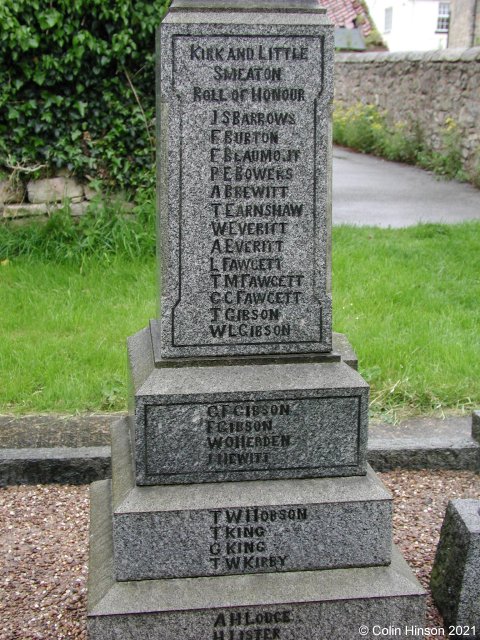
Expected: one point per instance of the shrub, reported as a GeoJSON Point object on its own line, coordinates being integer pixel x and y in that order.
{"type": "Point", "coordinates": [77, 81]}
{"type": "Point", "coordinates": [365, 128]}
{"type": "Point", "coordinates": [448, 162]}
{"type": "Point", "coordinates": [358, 126]}
{"type": "Point", "coordinates": [103, 232]}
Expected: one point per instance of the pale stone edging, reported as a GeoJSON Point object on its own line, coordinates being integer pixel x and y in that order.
{"type": "Point", "coordinates": [43, 197]}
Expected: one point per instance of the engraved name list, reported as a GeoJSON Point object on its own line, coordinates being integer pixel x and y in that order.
{"type": "Point", "coordinates": [249, 217]}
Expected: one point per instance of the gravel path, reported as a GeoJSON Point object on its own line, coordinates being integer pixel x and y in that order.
{"type": "Point", "coordinates": [44, 539]}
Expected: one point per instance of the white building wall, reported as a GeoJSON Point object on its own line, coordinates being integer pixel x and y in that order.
{"type": "Point", "coordinates": [414, 24]}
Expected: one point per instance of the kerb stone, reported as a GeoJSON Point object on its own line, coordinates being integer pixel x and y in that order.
{"type": "Point", "coordinates": [249, 527]}
{"type": "Point", "coordinates": [455, 579]}
{"type": "Point", "coordinates": [248, 422]}
{"type": "Point", "coordinates": [244, 106]}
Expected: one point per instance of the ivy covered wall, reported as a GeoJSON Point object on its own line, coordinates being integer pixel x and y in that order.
{"type": "Point", "coordinates": [78, 90]}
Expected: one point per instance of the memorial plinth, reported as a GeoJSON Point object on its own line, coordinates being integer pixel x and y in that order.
{"type": "Point", "coordinates": [455, 573]}
{"type": "Point", "coordinates": [231, 527]}
{"type": "Point", "coordinates": [246, 421]}
{"type": "Point", "coordinates": [307, 605]}
{"type": "Point", "coordinates": [241, 505]}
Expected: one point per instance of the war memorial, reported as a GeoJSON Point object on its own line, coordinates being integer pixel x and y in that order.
{"type": "Point", "coordinates": [241, 505]}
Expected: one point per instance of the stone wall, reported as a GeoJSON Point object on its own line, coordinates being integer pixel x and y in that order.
{"type": "Point", "coordinates": [422, 87]}
{"type": "Point", "coordinates": [41, 198]}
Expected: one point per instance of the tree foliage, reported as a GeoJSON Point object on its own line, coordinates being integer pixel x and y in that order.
{"type": "Point", "coordinates": [78, 91]}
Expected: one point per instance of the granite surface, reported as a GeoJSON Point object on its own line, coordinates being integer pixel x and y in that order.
{"type": "Point", "coordinates": [244, 189]}
{"type": "Point", "coordinates": [55, 430]}
{"type": "Point", "coordinates": [309, 605]}
{"type": "Point", "coordinates": [455, 580]}
{"type": "Point", "coordinates": [290, 6]}
{"type": "Point", "coordinates": [342, 350]}
{"type": "Point", "coordinates": [216, 423]}
{"type": "Point", "coordinates": [65, 465]}
{"type": "Point", "coordinates": [244, 156]}
{"type": "Point", "coordinates": [424, 443]}
{"type": "Point", "coordinates": [249, 527]}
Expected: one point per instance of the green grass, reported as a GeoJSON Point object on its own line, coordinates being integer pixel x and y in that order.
{"type": "Point", "coordinates": [106, 230]}
{"type": "Point", "coordinates": [63, 331]}
{"type": "Point", "coordinates": [407, 299]}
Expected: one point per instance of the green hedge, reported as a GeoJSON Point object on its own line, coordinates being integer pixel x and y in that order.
{"type": "Point", "coordinates": [78, 90]}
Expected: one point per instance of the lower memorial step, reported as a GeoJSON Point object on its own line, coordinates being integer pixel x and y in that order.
{"type": "Point", "coordinates": [229, 528]}
{"type": "Point", "coordinates": [340, 604]}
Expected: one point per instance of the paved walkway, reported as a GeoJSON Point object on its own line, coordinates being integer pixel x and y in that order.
{"type": "Point", "coordinates": [373, 191]}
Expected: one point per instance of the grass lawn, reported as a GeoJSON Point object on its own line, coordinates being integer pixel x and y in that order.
{"type": "Point", "coordinates": [63, 333]}
{"type": "Point", "coordinates": [407, 299]}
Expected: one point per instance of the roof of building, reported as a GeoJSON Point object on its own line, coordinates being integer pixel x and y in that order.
{"type": "Point", "coordinates": [349, 14]}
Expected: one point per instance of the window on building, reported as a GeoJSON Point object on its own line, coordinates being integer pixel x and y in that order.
{"type": "Point", "coordinates": [388, 20]}
{"type": "Point", "coordinates": [443, 19]}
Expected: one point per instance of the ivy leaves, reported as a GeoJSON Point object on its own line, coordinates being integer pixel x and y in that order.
{"type": "Point", "coordinates": [48, 19]}
{"type": "Point", "coordinates": [65, 98]}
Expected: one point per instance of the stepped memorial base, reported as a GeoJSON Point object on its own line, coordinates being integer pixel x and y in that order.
{"type": "Point", "coordinates": [236, 527]}
{"type": "Point", "coordinates": [307, 605]}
